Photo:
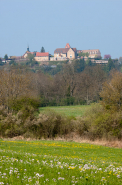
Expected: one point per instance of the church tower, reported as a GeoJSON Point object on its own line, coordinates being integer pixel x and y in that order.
{"type": "Point", "coordinates": [28, 48]}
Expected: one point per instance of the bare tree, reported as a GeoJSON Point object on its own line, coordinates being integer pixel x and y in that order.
{"type": "Point", "coordinates": [15, 84]}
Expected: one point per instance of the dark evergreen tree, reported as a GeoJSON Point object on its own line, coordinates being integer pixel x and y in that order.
{"type": "Point", "coordinates": [42, 50]}
{"type": "Point", "coordinates": [110, 64]}
{"type": "Point", "coordinates": [6, 57]}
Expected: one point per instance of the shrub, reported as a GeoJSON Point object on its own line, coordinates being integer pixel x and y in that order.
{"type": "Point", "coordinates": [23, 102]}
{"type": "Point", "coordinates": [97, 123]}
{"type": "Point", "coordinates": [112, 92]}
{"type": "Point", "coordinates": [101, 123]}
{"type": "Point", "coordinates": [11, 126]}
{"type": "Point", "coordinates": [51, 125]}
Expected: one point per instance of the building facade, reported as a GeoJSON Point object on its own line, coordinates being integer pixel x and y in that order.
{"type": "Point", "coordinates": [42, 56]}
{"type": "Point", "coordinates": [65, 53]}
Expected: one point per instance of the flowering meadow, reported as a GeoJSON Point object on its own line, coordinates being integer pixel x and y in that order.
{"type": "Point", "coordinates": [56, 162]}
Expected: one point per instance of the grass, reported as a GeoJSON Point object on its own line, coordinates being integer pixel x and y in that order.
{"type": "Point", "coordinates": [75, 111]}
{"type": "Point", "coordinates": [58, 163]}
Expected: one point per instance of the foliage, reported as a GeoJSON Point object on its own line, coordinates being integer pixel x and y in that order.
{"type": "Point", "coordinates": [47, 125]}
{"type": "Point", "coordinates": [42, 50]}
{"type": "Point", "coordinates": [16, 84]}
{"type": "Point", "coordinates": [88, 62]}
{"type": "Point", "coordinates": [101, 123]}
{"type": "Point", "coordinates": [51, 125]}
{"type": "Point", "coordinates": [83, 54]}
{"type": "Point", "coordinates": [31, 61]}
{"type": "Point", "coordinates": [112, 92]}
{"type": "Point", "coordinates": [1, 63]}
{"type": "Point", "coordinates": [79, 65]}
{"type": "Point", "coordinates": [30, 57]}
{"type": "Point", "coordinates": [22, 92]}
{"type": "Point", "coordinates": [87, 54]}
{"type": "Point", "coordinates": [52, 70]}
{"type": "Point", "coordinates": [13, 63]}
{"type": "Point", "coordinates": [110, 64]}
{"type": "Point", "coordinates": [67, 101]}
{"type": "Point", "coordinates": [6, 57]}
{"type": "Point", "coordinates": [96, 123]}
{"type": "Point", "coordinates": [23, 102]}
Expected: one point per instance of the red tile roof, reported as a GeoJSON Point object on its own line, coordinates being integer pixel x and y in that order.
{"type": "Point", "coordinates": [39, 54]}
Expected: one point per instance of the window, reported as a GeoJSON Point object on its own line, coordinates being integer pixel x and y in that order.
{"type": "Point", "coordinates": [70, 56]}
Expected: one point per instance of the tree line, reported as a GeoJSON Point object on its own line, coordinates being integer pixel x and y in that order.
{"type": "Point", "coordinates": [75, 83]}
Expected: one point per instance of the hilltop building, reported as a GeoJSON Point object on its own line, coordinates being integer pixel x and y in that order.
{"type": "Point", "coordinates": [28, 52]}
{"type": "Point", "coordinates": [40, 57]}
{"type": "Point", "coordinates": [93, 53]}
{"type": "Point", "coordinates": [65, 53]}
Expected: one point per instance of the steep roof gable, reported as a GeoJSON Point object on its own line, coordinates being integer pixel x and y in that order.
{"type": "Point", "coordinates": [74, 49]}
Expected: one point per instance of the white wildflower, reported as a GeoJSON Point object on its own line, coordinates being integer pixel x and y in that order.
{"type": "Point", "coordinates": [61, 178]}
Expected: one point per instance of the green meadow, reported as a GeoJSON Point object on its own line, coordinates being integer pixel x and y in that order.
{"type": "Point", "coordinates": [56, 162]}
{"type": "Point", "coordinates": [75, 111]}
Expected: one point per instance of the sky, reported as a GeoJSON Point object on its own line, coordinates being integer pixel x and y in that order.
{"type": "Point", "coordinates": [84, 24]}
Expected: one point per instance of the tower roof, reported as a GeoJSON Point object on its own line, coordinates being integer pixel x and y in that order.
{"type": "Point", "coordinates": [67, 45]}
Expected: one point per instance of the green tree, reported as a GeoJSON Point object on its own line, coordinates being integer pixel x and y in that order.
{"type": "Point", "coordinates": [13, 63]}
{"type": "Point", "coordinates": [87, 54]}
{"type": "Point", "coordinates": [81, 54]}
{"type": "Point", "coordinates": [88, 62]}
{"type": "Point", "coordinates": [110, 64]}
{"type": "Point", "coordinates": [1, 63]}
{"type": "Point", "coordinates": [31, 61]}
{"type": "Point", "coordinates": [78, 65]}
{"type": "Point", "coordinates": [42, 50]}
{"type": "Point", "coordinates": [6, 57]}
{"type": "Point", "coordinates": [30, 57]}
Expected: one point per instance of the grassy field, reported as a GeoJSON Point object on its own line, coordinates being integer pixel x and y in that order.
{"type": "Point", "coordinates": [76, 111]}
{"type": "Point", "coordinates": [58, 163]}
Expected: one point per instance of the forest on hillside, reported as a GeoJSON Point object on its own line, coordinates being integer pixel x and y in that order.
{"type": "Point", "coordinates": [62, 83]}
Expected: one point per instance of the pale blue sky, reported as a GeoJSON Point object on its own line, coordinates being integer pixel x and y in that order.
{"type": "Point", "coordinates": [84, 24]}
